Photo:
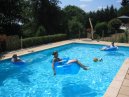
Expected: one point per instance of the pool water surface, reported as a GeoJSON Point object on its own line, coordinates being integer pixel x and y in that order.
{"type": "Point", "coordinates": [35, 78]}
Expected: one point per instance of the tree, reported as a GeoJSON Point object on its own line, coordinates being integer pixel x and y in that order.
{"type": "Point", "coordinates": [74, 19]}
{"type": "Point", "coordinates": [125, 2]}
{"type": "Point", "coordinates": [40, 31]}
{"type": "Point", "coordinates": [101, 28]}
{"type": "Point", "coordinates": [10, 16]}
{"type": "Point", "coordinates": [75, 27]}
{"type": "Point", "coordinates": [48, 14]}
{"type": "Point", "coordinates": [114, 24]}
{"type": "Point", "coordinates": [124, 10]}
{"type": "Point", "coordinates": [103, 15]}
{"type": "Point", "coordinates": [30, 22]}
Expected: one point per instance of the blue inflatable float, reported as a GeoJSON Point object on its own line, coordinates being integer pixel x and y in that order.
{"type": "Point", "coordinates": [19, 63]}
{"type": "Point", "coordinates": [62, 68]}
{"type": "Point", "coordinates": [110, 48]}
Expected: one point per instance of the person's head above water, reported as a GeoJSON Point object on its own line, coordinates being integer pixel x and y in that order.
{"type": "Point", "coordinates": [55, 54]}
{"type": "Point", "coordinates": [14, 56]}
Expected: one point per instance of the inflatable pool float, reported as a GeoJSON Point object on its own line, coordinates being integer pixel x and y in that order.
{"type": "Point", "coordinates": [19, 63]}
{"type": "Point", "coordinates": [63, 68]}
{"type": "Point", "coordinates": [110, 48]}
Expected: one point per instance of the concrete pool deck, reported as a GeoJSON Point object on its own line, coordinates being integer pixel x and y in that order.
{"type": "Point", "coordinates": [119, 87]}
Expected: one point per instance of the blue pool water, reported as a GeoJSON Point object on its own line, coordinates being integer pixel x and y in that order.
{"type": "Point", "coordinates": [35, 78]}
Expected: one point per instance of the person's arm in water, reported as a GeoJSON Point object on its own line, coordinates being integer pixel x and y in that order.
{"type": "Point", "coordinates": [53, 62]}
{"type": "Point", "coordinates": [53, 67]}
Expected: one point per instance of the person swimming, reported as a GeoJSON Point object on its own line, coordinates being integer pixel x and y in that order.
{"type": "Point", "coordinates": [15, 58]}
{"type": "Point", "coordinates": [108, 46]}
{"type": "Point", "coordinates": [57, 59]}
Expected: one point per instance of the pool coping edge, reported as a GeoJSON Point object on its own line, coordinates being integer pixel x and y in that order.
{"type": "Point", "coordinates": [115, 85]}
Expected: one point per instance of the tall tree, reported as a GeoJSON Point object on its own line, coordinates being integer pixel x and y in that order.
{"type": "Point", "coordinates": [124, 10]}
{"type": "Point", "coordinates": [10, 16]}
{"type": "Point", "coordinates": [30, 11]}
{"type": "Point", "coordinates": [74, 16]}
{"type": "Point", "coordinates": [49, 15]}
{"type": "Point", "coordinates": [103, 15]}
{"type": "Point", "coordinates": [125, 2]}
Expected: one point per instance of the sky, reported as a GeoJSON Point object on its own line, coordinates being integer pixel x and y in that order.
{"type": "Point", "coordinates": [91, 5]}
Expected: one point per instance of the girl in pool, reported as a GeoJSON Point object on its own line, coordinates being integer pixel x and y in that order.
{"type": "Point", "coordinates": [57, 59]}
{"type": "Point", "coordinates": [110, 46]}
{"type": "Point", "coordinates": [15, 58]}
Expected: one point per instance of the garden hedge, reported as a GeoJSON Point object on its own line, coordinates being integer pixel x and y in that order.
{"type": "Point", "coordinates": [33, 41]}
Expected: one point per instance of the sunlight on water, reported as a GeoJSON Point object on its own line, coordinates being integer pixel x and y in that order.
{"type": "Point", "coordinates": [35, 78]}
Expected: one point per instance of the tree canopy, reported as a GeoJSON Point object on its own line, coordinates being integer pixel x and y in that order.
{"type": "Point", "coordinates": [45, 17]}
{"type": "Point", "coordinates": [125, 2]}
{"type": "Point", "coordinates": [10, 16]}
{"type": "Point", "coordinates": [74, 19]}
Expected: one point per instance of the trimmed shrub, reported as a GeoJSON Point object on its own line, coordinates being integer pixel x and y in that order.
{"type": "Point", "coordinates": [33, 41]}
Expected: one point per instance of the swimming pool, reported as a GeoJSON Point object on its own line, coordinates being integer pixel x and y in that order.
{"type": "Point", "coordinates": [35, 79]}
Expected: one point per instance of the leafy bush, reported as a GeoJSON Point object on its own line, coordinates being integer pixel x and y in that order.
{"type": "Point", "coordinates": [100, 28]}
{"type": "Point", "coordinates": [114, 24]}
{"type": "Point", "coordinates": [40, 31]}
{"type": "Point", "coordinates": [74, 26]}
{"type": "Point", "coordinates": [33, 41]}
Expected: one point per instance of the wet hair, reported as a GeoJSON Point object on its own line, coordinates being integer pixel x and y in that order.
{"type": "Point", "coordinates": [14, 56]}
{"type": "Point", "coordinates": [55, 52]}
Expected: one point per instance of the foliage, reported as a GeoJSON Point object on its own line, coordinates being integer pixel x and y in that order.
{"type": "Point", "coordinates": [101, 27]}
{"type": "Point", "coordinates": [74, 27]}
{"type": "Point", "coordinates": [29, 29]}
{"type": "Point", "coordinates": [114, 24]}
{"type": "Point", "coordinates": [30, 24]}
{"type": "Point", "coordinates": [125, 2]}
{"type": "Point", "coordinates": [41, 12]}
{"type": "Point", "coordinates": [48, 14]}
{"type": "Point", "coordinates": [45, 17]}
{"type": "Point", "coordinates": [40, 31]}
{"type": "Point", "coordinates": [102, 15]}
{"type": "Point", "coordinates": [33, 41]}
{"type": "Point", "coordinates": [74, 11]}
{"type": "Point", "coordinates": [10, 16]}
{"type": "Point", "coordinates": [124, 11]}
{"type": "Point", "coordinates": [74, 19]}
